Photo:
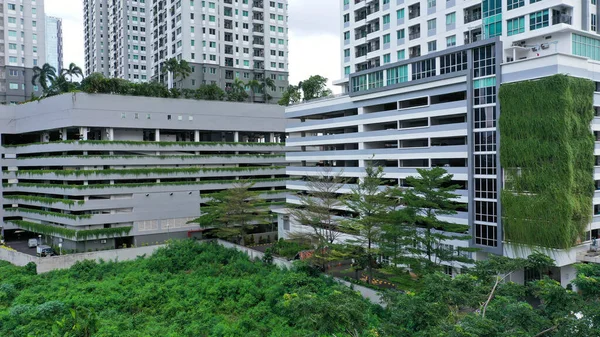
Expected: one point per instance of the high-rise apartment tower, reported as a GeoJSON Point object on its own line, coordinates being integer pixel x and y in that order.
{"type": "Point", "coordinates": [22, 47]}
{"type": "Point", "coordinates": [221, 40]}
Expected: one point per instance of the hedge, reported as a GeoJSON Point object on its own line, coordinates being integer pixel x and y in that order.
{"type": "Point", "coordinates": [148, 171]}
{"type": "Point", "coordinates": [147, 143]}
{"type": "Point", "coordinates": [71, 233]}
{"type": "Point", "coordinates": [43, 200]}
{"type": "Point", "coordinates": [547, 152]}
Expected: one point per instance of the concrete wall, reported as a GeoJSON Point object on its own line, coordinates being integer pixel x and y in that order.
{"type": "Point", "coordinates": [99, 110]}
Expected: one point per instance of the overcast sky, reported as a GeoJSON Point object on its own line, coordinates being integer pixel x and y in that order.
{"type": "Point", "coordinates": [313, 41]}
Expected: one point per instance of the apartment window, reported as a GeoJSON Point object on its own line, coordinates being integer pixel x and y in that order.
{"type": "Point", "coordinates": [484, 117]}
{"type": "Point", "coordinates": [432, 46]}
{"type": "Point", "coordinates": [12, 7]}
{"type": "Point", "coordinates": [431, 3]}
{"type": "Point", "coordinates": [13, 86]}
{"type": "Point", "coordinates": [347, 70]}
{"type": "Point", "coordinates": [485, 164]}
{"type": "Point", "coordinates": [453, 62]}
{"type": "Point", "coordinates": [486, 188]}
{"type": "Point", "coordinates": [486, 235]}
{"type": "Point", "coordinates": [12, 33]}
{"type": "Point", "coordinates": [539, 20]}
{"type": "Point", "coordinates": [12, 60]}
{"type": "Point", "coordinates": [386, 38]}
{"type": "Point", "coordinates": [386, 58]}
{"type": "Point", "coordinates": [451, 18]}
{"type": "Point", "coordinates": [12, 46]}
{"type": "Point", "coordinates": [401, 55]}
{"type": "Point", "coordinates": [484, 62]}
{"type": "Point", "coordinates": [423, 69]}
{"type": "Point", "coordinates": [212, 18]}
{"type": "Point", "coordinates": [431, 24]}
{"type": "Point", "coordinates": [386, 19]}
{"type": "Point", "coordinates": [512, 4]}
{"type": "Point", "coordinates": [346, 36]}
{"type": "Point", "coordinates": [593, 23]}
{"type": "Point", "coordinates": [400, 14]}
{"type": "Point", "coordinates": [346, 52]}
{"type": "Point", "coordinates": [397, 75]}
{"type": "Point", "coordinates": [375, 79]}
{"type": "Point", "coordinates": [400, 34]}
{"type": "Point", "coordinates": [12, 20]}
{"type": "Point", "coordinates": [451, 41]}
{"type": "Point", "coordinates": [586, 47]}
{"type": "Point", "coordinates": [485, 141]}
{"type": "Point", "coordinates": [515, 26]}
{"type": "Point", "coordinates": [485, 211]}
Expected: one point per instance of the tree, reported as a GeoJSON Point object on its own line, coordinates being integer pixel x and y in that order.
{"type": "Point", "coordinates": [290, 96]}
{"type": "Point", "coordinates": [237, 91]}
{"type": "Point", "coordinates": [176, 69]}
{"type": "Point", "coordinates": [314, 87]}
{"type": "Point", "coordinates": [267, 83]}
{"type": "Point", "coordinates": [44, 76]}
{"type": "Point", "coordinates": [211, 92]}
{"type": "Point", "coordinates": [309, 89]}
{"type": "Point", "coordinates": [234, 212]}
{"type": "Point", "coordinates": [317, 210]}
{"type": "Point", "coordinates": [255, 87]}
{"type": "Point", "coordinates": [371, 204]}
{"type": "Point", "coordinates": [431, 195]}
{"type": "Point", "coordinates": [72, 71]}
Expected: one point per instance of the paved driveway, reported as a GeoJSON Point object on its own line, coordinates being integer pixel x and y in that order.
{"type": "Point", "coordinates": [21, 247]}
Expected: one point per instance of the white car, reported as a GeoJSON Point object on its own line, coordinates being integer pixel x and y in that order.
{"type": "Point", "coordinates": [32, 243]}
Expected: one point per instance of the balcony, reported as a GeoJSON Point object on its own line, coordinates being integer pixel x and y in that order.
{"type": "Point", "coordinates": [414, 52]}
{"type": "Point", "coordinates": [561, 18]}
{"type": "Point", "coordinates": [472, 14]}
{"type": "Point", "coordinates": [414, 11]}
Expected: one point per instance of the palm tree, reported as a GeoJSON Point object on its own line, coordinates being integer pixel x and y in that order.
{"type": "Point", "coordinates": [44, 75]}
{"type": "Point", "coordinates": [72, 71]}
{"type": "Point", "coordinates": [184, 69]}
{"type": "Point", "coordinates": [170, 66]}
{"type": "Point", "coordinates": [268, 83]}
{"type": "Point", "coordinates": [177, 69]}
{"type": "Point", "coordinates": [254, 87]}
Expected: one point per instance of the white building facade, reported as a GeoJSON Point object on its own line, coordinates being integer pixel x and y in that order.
{"type": "Point", "coordinates": [221, 40]}
{"type": "Point", "coordinates": [22, 47]}
{"type": "Point", "coordinates": [421, 82]}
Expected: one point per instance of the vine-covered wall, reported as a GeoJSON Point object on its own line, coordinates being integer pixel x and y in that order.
{"type": "Point", "coordinates": [547, 153]}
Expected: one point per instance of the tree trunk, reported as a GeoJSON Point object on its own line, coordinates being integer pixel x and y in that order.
{"type": "Point", "coordinates": [369, 262]}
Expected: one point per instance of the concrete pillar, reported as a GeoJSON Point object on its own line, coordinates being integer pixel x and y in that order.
{"type": "Point", "coordinates": [272, 137]}
{"type": "Point", "coordinates": [236, 136]}
{"type": "Point", "coordinates": [157, 135]}
{"type": "Point", "coordinates": [64, 133]}
{"type": "Point", "coordinates": [45, 137]}
{"type": "Point", "coordinates": [83, 133]}
{"type": "Point", "coordinates": [196, 136]}
{"type": "Point", "coordinates": [110, 134]}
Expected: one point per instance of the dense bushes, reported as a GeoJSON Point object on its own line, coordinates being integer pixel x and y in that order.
{"type": "Point", "coordinates": [184, 290]}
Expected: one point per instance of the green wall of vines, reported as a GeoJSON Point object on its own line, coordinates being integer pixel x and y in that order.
{"type": "Point", "coordinates": [547, 153]}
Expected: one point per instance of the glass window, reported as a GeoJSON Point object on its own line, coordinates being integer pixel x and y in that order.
{"type": "Point", "coordinates": [515, 26]}
{"type": "Point", "coordinates": [451, 18]}
{"type": "Point", "coordinates": [539, 19]}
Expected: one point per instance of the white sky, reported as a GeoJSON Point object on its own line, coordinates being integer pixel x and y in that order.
{"type": "Point", "coordinates": [313, 38]}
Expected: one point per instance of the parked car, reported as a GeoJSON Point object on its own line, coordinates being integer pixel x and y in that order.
{"type": "Point", "coordinates": [43, 251]}
{"type": "Point", "coordinates": [32, 243]}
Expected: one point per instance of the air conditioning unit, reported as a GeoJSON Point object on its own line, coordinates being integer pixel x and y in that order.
{"type": "Point", "coordinates": [102, 241]}
{"type": "Point", "coordinates": [545, 46]}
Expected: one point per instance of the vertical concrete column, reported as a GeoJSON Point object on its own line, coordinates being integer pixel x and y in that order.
{"type": "Point", "coordinates": [45, 137]}
{"type": "Point", "coordinates": [157, 139]}
{"type": "Point", "coordinates": [272, 137]}
{"type": "Point", "coordinates": [83, 133]}
{"type": "Point", "coordinates": [64, 133]}
{"type": "Point", "coordinates": [361, 129]}
{"type": "Point", "coordinates": [236, 139]}
{"type": "Point", "coordinates": [111, 134]}
{"type": "Point", "coordinates": [196, 136]}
